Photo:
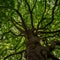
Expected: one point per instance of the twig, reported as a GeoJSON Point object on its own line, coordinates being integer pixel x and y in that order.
{"type": "Point", "coordinates": [20, 52]}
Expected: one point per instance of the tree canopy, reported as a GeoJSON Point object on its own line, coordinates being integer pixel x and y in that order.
{"type": "Point", "coordinates": [18, 18]}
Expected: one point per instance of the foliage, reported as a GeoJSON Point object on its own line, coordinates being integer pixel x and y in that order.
{"type": "Point", "coordinates": [19, 16]}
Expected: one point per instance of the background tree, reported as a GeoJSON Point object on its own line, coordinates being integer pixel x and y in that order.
{"type": "Point", "coordinates": [30, 29]}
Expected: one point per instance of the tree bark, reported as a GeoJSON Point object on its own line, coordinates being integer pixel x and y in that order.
{"type": "Point", "coordinates": [35, 51]}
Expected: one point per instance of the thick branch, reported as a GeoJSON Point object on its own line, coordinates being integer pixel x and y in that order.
{"type": "Point", "coordinates": [52, 15]}
{"type": "Point", "coordinates": [20, 52]}
{"type": "Point", "coordinates": [31, 15]}
{"type": "Point", "coordinates": [53, 57]}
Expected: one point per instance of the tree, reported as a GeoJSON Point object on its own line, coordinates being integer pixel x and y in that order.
{"type": "Point", "coordinates": [32, 27]}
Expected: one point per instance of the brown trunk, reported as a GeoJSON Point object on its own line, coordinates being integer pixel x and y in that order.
{"type": "Point", "coordinates": [35, 51]}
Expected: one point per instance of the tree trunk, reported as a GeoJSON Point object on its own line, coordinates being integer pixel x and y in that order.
{"type": "Point", "coordinates": [35, 51]}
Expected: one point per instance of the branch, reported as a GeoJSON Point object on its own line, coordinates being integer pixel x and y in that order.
{"type": "Point", "coordinates": [18, 4]}
{"type": "Point", "coordinates": [53, 12]}
{"type": "Point", "coordinates": [57, 42]}
{"type": "Point", "coordinates": [23, 44]}
{"type": "Point", "coordinates": [20, 52]}
{"type": "Point", "coordinates": [52, 36]}
{"type": "Point", "coordinates": [42, 18]}
{"type": "Point", "coordinates": [20, 57]}
{"type": "Point", "coordinates": [22, 19]}
{"type": "Point", "coordinates": [18, 23]}
{"type": "Point", "coordinates": [53, 45]}
{"type": "Point", "coordinates": [17, 44]}
{"type": "Point", "coordinates": [49, 32]}
{"type": "Point", "coordinates": [1, 38]}
{"type": "Point", "coordinates": [16, 35]}
{"type": "Point", "coordinates": [14, 23]}
{"type": "Point", "coordinates": [53, 57]}
{"type": "Point", "coordinates": [20, 15]}
{"type": "Point", "coordinates": [31, 15]}
{"type": "Point", "coordinates": [34, 5]}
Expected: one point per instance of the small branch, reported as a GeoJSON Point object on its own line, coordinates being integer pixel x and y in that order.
{"type": "Point", "coordinates": [57, 42]}
{"type": "Point", "coordinates": [49, 32]}
{"type": "Point", "coordinates": [20, 15]}
{"type": "Point", "coordinates": [53, 45]}
{"type": "Point", "coordinates": [22, 19]}
{"type": "Point", "coordinates": [34, 5]}
{"type": "Point", "coordinates": [14, 23]}
{"type": "Point", "coordinates": [17, 44]}
{"type": "Point", "coordinates": [52, 36]}
{"type": "Point", "coordinates": [4, 34]}
{"type": "Point", "coordinates": [10, 32]}
{"type": "Point", "coordinates": [16, 35]}
{"type": "Point", "coordinates": [20, 57]}
{"type": "Point", "coordinates": [31, 15]}
{"type": "Point", "coordinates": [53, 12]}
{"type": "Point", "coordinates": [42, 18]}
{"type": "Point", "coordinates": [18, 5]}
{"type": "Point", "coordinates": [20, 52]}
{"type": "Point", "coordinates": [18, 23]}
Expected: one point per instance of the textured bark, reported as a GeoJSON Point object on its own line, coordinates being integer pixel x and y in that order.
{"type": "Point", "coordinates": [35, 51]}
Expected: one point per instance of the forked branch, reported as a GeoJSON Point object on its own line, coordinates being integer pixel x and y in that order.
{"type": "Point", "coordinates": [52, 14]}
